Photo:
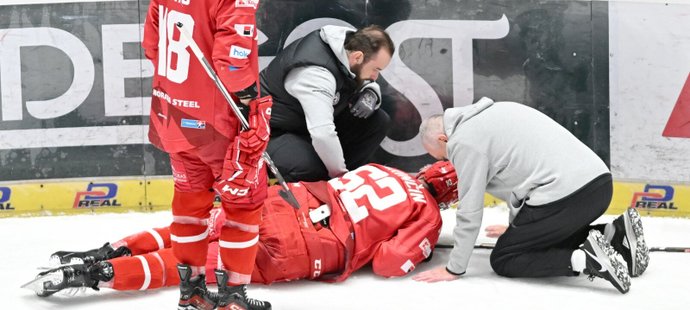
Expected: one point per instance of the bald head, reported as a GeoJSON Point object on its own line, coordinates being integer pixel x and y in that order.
{"type": "Point", "coordinates": [434, 139]}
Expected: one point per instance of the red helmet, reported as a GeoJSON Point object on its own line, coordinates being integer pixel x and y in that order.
{"type": "Point", "coordinates": [442, 182]}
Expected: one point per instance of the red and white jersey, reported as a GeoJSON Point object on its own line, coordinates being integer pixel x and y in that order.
{"type": "Point", "coordinates": [186, 108]}
{"type": "Point", "coordinates": [379, 215]}
{"type": "Point", "coordinates": [384, 216]}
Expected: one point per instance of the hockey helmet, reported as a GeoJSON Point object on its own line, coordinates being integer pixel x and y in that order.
{"type": "Point", "coordinates": [442, 182]}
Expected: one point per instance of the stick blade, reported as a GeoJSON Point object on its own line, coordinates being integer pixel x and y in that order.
{"type": "Point", "coordinates": [290, 198]}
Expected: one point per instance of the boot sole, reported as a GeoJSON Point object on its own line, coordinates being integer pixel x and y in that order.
{"type": "Point", "coordinates": [617, 271]}
{"type": "Point", "coordinates": [638, 247]}
{"type": "Point", "coordinates": [196, 306]}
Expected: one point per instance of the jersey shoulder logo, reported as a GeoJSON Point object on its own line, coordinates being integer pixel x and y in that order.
{"type": "Point", "coordinates": [239, 52]}
{"type": "Point", "coordinates": [245, 30]}
{"type": "Point", "coordinates": [246, 3]}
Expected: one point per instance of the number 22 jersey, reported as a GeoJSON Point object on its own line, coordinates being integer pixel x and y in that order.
{"type": "Point", "coordinates": [383, 216]}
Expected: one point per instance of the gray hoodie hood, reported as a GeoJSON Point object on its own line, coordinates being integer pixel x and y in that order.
{"type": "Point", "coordinates": [334, 36]}
{"type": "Point", "coordinates": [455, 116]}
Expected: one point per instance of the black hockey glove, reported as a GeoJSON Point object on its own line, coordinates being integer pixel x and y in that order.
{"type": "Point", "coordinates": [368, 100]}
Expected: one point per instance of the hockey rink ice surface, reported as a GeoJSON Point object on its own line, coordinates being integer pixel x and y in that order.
{"type": "Point", "coordinates": [28, 242]}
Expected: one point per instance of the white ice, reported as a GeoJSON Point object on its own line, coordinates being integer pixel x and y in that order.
{"type": "Point", "coordinates": [28, 242]}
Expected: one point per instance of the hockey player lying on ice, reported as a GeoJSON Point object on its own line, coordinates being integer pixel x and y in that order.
{"type": "Point", "coordinates": [394, 219]}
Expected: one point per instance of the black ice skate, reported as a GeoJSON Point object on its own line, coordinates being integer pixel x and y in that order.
{"type": "Point", "coordinates": [70, 276]}
{"type": "Point", "coordinates": [89, 257]}
{"type": "Point", "coordinates": [235, 297]}
{"type": "Point", "coordinates": [193, 292]}
{"type": "Point", "coordinates": [604, 262]}
{"type": "Point", "coordinates": [627, 238]}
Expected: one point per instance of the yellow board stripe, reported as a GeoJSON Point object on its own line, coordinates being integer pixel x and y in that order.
{"type": "Point", "coordinates": [77, 196]}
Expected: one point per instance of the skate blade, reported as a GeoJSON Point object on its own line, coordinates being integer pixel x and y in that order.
{"type": "Point", "coordinates": [38, 285]}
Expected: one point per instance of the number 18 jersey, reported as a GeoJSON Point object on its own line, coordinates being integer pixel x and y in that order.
{"type": "Point", "coordinates": [186, 108]}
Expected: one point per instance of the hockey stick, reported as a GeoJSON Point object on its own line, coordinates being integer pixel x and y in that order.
{"type": "Point", "coordinates": [669, 249]}
{"type": "Point", "coordinates": [285, 192]}
{"type": "Point", "coordinates": [490, 246]}
{"type": "Point", "coordinates": [476, 246]}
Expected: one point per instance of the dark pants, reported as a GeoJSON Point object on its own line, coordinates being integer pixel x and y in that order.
{"type": "Point", "coordinates": [541, 239]}
{"type": "Point", "coordinates": [297, 160]}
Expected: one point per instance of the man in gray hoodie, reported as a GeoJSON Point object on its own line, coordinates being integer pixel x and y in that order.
{"type": "Point", "coordinates": [325, 118]}
{"type": "Point", "coordinates": [554, 185]}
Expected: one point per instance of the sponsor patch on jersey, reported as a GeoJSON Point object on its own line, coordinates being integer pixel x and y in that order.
{"type": "Point", "coordinates": [425, 245]}
{"type": "Point", "coordinates": [407, 266]}
{"type": "Point", "coordinates": [246, 3]}
{"type": "Point", "coordinates": [245, 30]}
{"type": "Point", "coordinates": [193, 124]}
{"type": "Point", "coordinates": [239, 52]}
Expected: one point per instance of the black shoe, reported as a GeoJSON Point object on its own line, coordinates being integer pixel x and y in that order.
{"type": "Point", "coordinates": [627, 238]}
{"type": "Point", "coordinates": [105, 252]}
{"type": "Point", "coordinates": [71, 276]}
{"type": "Point", "coordinates": [235, 297]}
{"type": "Point", "coordinates": [193, 292]}
{"type": "Point", "coordinates": [604, 262]}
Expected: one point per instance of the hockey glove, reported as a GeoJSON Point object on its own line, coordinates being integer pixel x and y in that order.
{"type": "Point", "coordinates": [244, 180]}
{"type": "Point", "coordinates": [368, 101]}
{"type": "Point", "coordinates": [254, 140]}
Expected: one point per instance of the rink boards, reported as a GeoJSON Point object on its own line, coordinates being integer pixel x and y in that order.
{"type": "Point", "coordinates": [78, 196]}
{"type": "Point", "coordinates": [75, 89]}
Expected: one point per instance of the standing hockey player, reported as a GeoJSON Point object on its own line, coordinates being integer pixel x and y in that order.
{"type": "Point", "coordinates": [395, 219]}
{"type": "Point", "coordinates": [326, 117]}
{"type": "Point", "coordinates": [191, 120]}
{"type": "Point", "coordinates": [555, 187]}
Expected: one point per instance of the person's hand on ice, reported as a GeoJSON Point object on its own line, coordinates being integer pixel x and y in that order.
{"type": "Point", "coordinates": [495, 231]}
{"type": "Point", "coordinates": [435, 275]}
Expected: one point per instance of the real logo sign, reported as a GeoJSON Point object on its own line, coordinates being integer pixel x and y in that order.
{"type": "Point", "coordinates": [95, 196]}
{"type": "Point", "coordinates": [654, 197]}
{"type": "Point", "coordinates": [5, 193]}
